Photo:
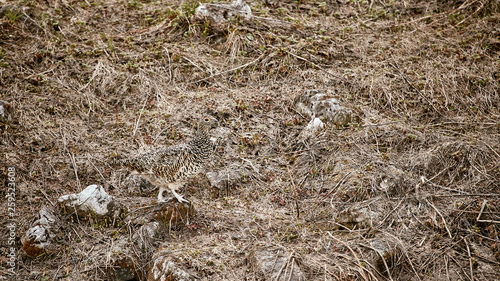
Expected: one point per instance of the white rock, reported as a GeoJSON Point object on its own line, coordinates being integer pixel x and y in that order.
{"type": "Point", "coordinates": [314, 126]}
{"type": "Point", "coordinates": [163, 268]}
{"type": "Point", "coordinates": [39, 236]}
{"type": "Point", "coordinates": [316, 104]}
{"type": "Point", "coordinates": [92, 199]}
{"type": "Point", "coordinates": [223, 12]}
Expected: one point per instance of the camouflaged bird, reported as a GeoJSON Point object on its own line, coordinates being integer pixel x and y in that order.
{"type": "Point", "coordinates": [171, 166]}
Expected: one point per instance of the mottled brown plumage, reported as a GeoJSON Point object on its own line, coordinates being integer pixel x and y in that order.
{"type": "Point", "coordinates": [171, 166]}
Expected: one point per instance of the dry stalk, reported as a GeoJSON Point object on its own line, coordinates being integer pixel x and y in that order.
{"type": "Point", "coordinates": [396, 66]}
{"type": "Point", "coordinates": [470, 260]}
{"type": "Point", "coordinates": [290, 176]}
{"type": "Point", "coordinates": [381, 257]}
{"type": "Point", "coordinates": [230, 70]}
{"type": "Point", "coordinates": [139, 118]}
{"type": "Point", "coordinates": [358, 261]}
{"type": "Point", "coordinates": [439, 213]}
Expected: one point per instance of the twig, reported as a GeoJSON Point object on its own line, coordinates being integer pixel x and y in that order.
{"type": "Point", "coordinates": [481, 213]}
{"type": "Point", "coordinates": [354, 254]}
{"type": "Point", "coordinates": [75, 168]}
{"type": "Point", "coordinates": [46, 197]}
{"type": "Point", "coordinates": [482, 209]}
{"type": "Point", "coordinates": [197, 66]}
{"type": "Point", "coordinates": [317, 66]}
{"type": "Point", "coordinates": [251, 164]}
{"type": "Point", "coordinates": [290, 175]}
{"type": "Point", "coordinates": [462, 21]}
{"type": "Point", "coordinates": [396, 66]}
{"type": "Point", "coordinates": [285, 263]}
{"type": "Point", "coordinates": [291, 270]}
{"type": "Point", "coordinates": [446, 267]}
{"type": "Point", "coordinates": [388, 214]}
{"type": "Point", "coordinates": [470, 260]}
{"type": "Point", "coordinates": [138, 119]}
{"type": "Point", "coordinates": [227, 71]}
{"type": "Point", "coordinates": [439, 213]}
{"type": "Point", "coordinates": [169, 65]}
{"type": "Point", "coordinates": [381, 257]}
{"type": "Point", "coordinates": [403, 248]}
{"type": "Point", "coordinates": [88, 158]}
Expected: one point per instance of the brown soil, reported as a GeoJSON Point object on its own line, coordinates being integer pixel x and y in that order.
{"type": "Point", "coordinates": [417, 170]}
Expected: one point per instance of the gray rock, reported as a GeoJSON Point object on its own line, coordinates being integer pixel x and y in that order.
{"type": "Point", "coordinates": [145, 236]}
{"type": "Point", "coordinates": [224, 12]}
{"type": "Point", "coordinates": [92, 200]}
{"type": "Point", "coordinates": [276, 264]}
{"type": "Point", "coordinates": [38, 237]}
{"type": "Point", "coordinates": [317, 104]}
{"type": "Point", "coordinates": [5, 111]}
{"type": "Point", "coordinates": [164, 268]}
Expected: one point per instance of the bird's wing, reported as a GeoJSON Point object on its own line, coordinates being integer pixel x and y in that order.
{"type": "Point", "coordinates": [144, 163]}
{"type": "Point", "coordinates": [171, 160]}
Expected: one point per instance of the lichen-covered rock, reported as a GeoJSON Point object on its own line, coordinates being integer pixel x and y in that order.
{"type": "Point", "coordinates": [146, 234]}
{"type": "Point", "coordinates": [317, 104]}
{"type": "Point", "coordinates": [276, 264]}
{"type": "Point", "coordinates": [223, 12]}
{"type": "Point", "coordinates": [92, 200]}
{"type": "Point", "coordinates": [38, 238]}
{"type": "Point", "coordinates": [5, 111]}
{"type": "Point", "coordinates": [164, 268]}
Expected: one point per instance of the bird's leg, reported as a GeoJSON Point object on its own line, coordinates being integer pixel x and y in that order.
{"type": "Point", "coordinates": [160, 194]}
{"type": "Point", "coordinates": [173, 187]}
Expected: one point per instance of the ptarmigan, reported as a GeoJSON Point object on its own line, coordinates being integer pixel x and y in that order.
{"type": "Point", "coordinates": [171, 166]}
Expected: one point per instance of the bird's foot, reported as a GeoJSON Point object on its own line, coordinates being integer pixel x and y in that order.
{"type": "Point", "coordinates": [181, 199]}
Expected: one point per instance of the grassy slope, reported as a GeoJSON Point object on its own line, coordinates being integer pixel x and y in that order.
{"type": "Point", "coordinates": [88, 80]}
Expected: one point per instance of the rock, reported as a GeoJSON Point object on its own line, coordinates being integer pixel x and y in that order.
{"type": "Point", "coordinates": [223, 12]}
{"type": "Point", "coordinates": [232, 175]}
{"type": "Point", "coordinates": [174, 213]}
{"type": "Point", "coordinates": [38, 238]}
{"type": "Point", "coordinates": [13, 9]}
{"type": "Point", "coordinates": [316, 104]}
{"type": "Point", "coordinates": [321, 108]}
{"type": "Point", "coordinates": [225, 177]}
{"type": "Point", "coordinates": [394, 182]}
{"type": "Point", "coordinates": [164, 268]}
{"type": "Point", "coordinates": [92, 200]}
{"type": "Point", "coordinates": [5, 111]}
{"type": "Point", "coordinates": [146, 234]}
{"type": "Point", "coordinates": [382, 255]}
{"type": "Point", "coordinates": [358, 218]}
{"type": "Point", "coordinates": [125, 263]}
{"type": "Point", "coordinates": [275, 264]}
{"type": "Point", "coordinates": [315, 125]}
{"type": "Point", "coordinates": [220, 136]}
{"type": "Point", "coordinates": [136, 183]}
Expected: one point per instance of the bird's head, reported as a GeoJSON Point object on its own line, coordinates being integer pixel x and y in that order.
{"type": "Point", "coordinates": [207, 122]}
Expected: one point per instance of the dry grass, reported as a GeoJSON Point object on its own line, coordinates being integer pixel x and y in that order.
{"type": "Point", "coordinates": [410, 192]}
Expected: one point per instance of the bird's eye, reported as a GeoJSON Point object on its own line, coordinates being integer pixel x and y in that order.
{"type": "Point", "coordinates": [206, 119]}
